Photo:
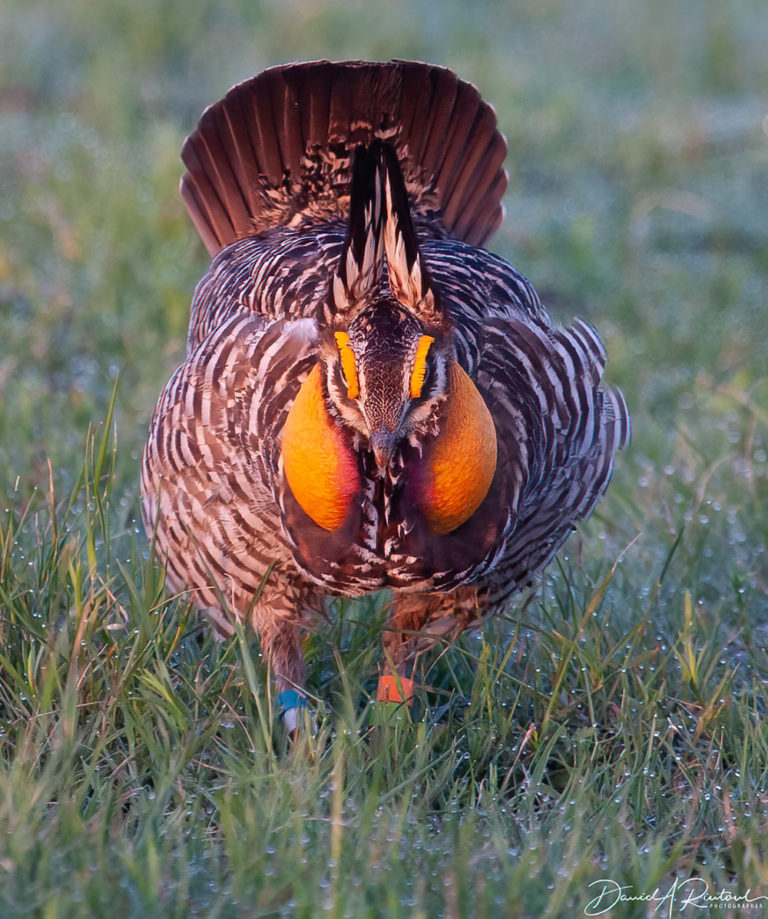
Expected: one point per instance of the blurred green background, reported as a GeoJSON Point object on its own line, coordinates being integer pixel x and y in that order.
{"type": "Point", "coordinates": [638, 199]}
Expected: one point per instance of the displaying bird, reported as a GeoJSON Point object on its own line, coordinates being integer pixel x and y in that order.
{"type": "Point", "coordinates": [369, 400]}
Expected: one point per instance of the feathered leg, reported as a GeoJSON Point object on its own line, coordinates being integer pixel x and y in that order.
{"type": "Point", "coordinates": [281, 645]}
{"type": "Point", "coordinates": [416, 623]}
{"type": "Point", "coordinates": [278, 617]}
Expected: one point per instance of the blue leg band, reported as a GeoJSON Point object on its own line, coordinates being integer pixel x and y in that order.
{"type": "Point", "coordinates": [290, 698]}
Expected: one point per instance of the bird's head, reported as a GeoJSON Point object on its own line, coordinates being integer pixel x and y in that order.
{"type": "Point", "coordinates": [386, 375]}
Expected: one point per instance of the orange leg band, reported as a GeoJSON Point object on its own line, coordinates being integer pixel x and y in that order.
{"type": "Point", "coordinates": [388, 690]}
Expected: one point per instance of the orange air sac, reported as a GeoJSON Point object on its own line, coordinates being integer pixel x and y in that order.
{"type": "Point", "coordinates": [457, 468]}
{"type": "Point", "coordinates": [321, 470]}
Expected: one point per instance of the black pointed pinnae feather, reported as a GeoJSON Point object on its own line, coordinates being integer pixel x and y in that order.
{"type": "Point", "coordinates": [391, 175]}
{"type": "Point", "coordinates": [379, 204]}
{"type": "Point", "coordinates": [361, 208]}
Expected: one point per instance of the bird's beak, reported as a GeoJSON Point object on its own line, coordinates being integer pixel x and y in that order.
{"type": "Point", "coordinates": [383, 442]}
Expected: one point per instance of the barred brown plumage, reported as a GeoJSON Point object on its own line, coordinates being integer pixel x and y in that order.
{"type": "Point", "coordinates": [442, 434]}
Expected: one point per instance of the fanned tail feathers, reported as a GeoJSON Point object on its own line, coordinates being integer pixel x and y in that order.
{"type": "Point", "coordinates": [278, 148]}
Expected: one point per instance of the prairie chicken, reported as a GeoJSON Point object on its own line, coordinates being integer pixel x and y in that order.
{"type": "Point", "coordinates": [370, 400]}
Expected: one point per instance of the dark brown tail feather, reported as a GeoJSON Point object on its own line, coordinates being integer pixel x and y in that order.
{"type": "Point", "coordinates": [278, 147]}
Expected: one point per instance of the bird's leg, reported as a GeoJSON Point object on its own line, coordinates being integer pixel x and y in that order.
{"type": "Point", "coordinates": [416, 623]}
{"type": "Point", "coordinates": [281, 645]}
{"type": "Point", "coordinates": [401, 645]}
{"type": "Point", "coordinates": [276, 618]}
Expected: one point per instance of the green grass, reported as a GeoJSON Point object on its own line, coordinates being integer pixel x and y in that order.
{"type": "Point", "coordinates": [613, 725]}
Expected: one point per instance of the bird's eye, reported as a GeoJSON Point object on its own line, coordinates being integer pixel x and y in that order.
{"type": "Point", "coordinates": [420, 368]}
{"type": "Point", "coordinates": [348, 368]}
